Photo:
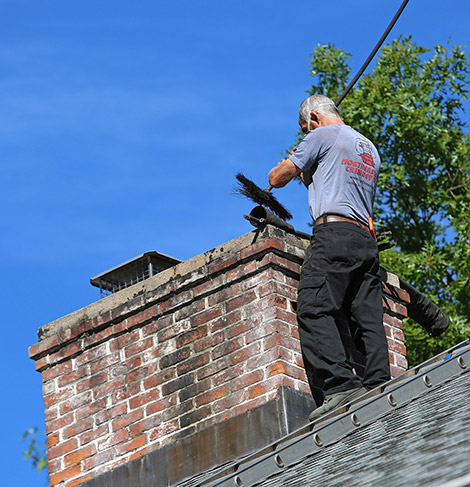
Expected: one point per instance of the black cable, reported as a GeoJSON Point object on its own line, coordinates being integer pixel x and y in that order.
{"type": "Point", "coordinates": [373, 53]}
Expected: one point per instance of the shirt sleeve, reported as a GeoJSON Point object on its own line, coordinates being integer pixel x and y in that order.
{"type": "Point", "coordinates": [307, 152]}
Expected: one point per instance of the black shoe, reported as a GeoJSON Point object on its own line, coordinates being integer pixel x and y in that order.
{"type": "Point", "coordinates": [333, 401]}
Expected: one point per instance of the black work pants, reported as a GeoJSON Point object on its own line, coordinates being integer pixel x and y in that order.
{"type": "Point", "coordinates": [340, 277]}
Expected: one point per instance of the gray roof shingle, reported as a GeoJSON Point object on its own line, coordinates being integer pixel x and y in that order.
{"type": "Point", "coordinates": [414, 432]}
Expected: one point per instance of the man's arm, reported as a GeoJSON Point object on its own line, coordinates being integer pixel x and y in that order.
{"type": "Point", "coordinates": [284, 172]}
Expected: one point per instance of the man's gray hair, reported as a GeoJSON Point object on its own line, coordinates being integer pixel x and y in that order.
{"type": "Point", "coordinates": [317, 103]}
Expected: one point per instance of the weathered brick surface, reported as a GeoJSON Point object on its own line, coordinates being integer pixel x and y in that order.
{"type": "Point", "coordinates": [203, 347]}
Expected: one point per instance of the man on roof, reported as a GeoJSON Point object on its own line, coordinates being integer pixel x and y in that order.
{"type": "Point", "coordinates": [340, 273]}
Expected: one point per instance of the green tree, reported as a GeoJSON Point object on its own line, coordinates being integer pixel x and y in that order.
{"type": "Point", "coordinates": [36, 452]}
{"type": "Point", "coordinates": [411, 105]}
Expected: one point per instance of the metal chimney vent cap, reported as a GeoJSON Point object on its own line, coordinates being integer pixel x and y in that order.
{"type": "Point", "coordinates": [133, 271]}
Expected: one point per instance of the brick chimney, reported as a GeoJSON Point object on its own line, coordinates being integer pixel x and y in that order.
{"type": "Point", "coordinates": [193, 367]}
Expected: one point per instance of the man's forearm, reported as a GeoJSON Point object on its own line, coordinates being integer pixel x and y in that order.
{"type": "Point", "coordinates": [284, 172]}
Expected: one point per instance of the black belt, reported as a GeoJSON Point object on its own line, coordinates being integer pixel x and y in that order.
{"type": "Point", "coordinates": [337, 218]}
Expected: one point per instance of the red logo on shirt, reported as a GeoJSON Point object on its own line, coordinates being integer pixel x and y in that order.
{"type": "Point", "coordinates": [364, 150]}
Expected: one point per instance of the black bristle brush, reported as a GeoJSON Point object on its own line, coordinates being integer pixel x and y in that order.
{"type": "Point", "coordinates": [262, 197]}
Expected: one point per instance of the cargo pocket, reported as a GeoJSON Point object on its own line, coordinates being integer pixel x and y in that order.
{"type": "Point", "coordinates": [312, 294]}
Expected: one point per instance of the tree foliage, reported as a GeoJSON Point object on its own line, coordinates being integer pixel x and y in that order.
{"type": "Point", "coordinates": [411, 106]}
{"type": "Point", "coordinates": [36, 453]}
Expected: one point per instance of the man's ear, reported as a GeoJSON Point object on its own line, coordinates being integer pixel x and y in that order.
{"type": "Point", "coordinates": [313, 117]}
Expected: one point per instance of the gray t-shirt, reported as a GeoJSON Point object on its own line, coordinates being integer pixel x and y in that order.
{"type": "Point", "coordinates": [346, 168]}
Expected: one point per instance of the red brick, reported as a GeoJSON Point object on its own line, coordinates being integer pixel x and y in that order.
{"type": "Point", "coordinates": [229, 402]}
{"type": "Point", "coordinates": [146, 424]}
{"type": "Point", "coordinates": [396, 293]}
{"type": "Point", "coordinates": [114, 439]}
{"type": "Point", "coordinates": [269, 356]}
{"type": "Point", "coordinates": [192, 364]}
{"type": "Point", "coordinates": [246, 380]}
{"type": "Point", "coordinates": [141, 317]}
{"type": "Point", "coordinates": [212, 368]}
{"type": "Point", "coordinates": [392, 321]}
{"type": "Point", "coordinates": [286, 369]}
{"type": "Point", "coordinates": [228, 374]}
{"type": "Point", "coordinates": [144, 399]}
{"type": "Point", "coordinates": [90, 409]}
{"type": "Point", "coordinates": [65, 474]}
{"type": "Point", "coordinates": [159, 378]}
{"type": "Point", "coordinates": [225, 321]}
{"type": "Point", "coordinates": [172, 331]}
{"type": "Point", "coordinates": [74, 376]}
{"type": "Point", "coordinates": [109, 387]}
{"type": "Point", "coordinates": [119, 327]}
{"type": "Point", "coordinates": [211, 396]}
{"type": "Point", "coordinates": [97, 460]}
{"type": "Point", "coordinates": [66, 351]}
{"type": "Point", "coordinates": [396, 347]}
{"type": "Point", "coordinates": [62, 448]}
{"type": "Point", "coordinates": [52, 439]}
{"type": "Point", "coordinates": [56, 371]}
{"type": "Point", "coordinates": [96, 338]}
{"type": "Point", "coordinates": [398, 334]}
{"type": "Point", "coordinates": [180, 299]}
{"type": "Point", "coordinates": [266, 243]}
{"type": "Point", "coordinates": [141, 453]}
{"type": "Point", "coordinates": [191, 335]}
{"type": "Point", "coordinates": [47, 345]}
{"type": "Point", "coordinates": [79, 455]}
{"type": "Point", "coordinates": [209, 342]}
{"type": "Point", "coordinates": [244, 354]}
{"type": "Point", "coordinates": [54, 466]}
{"type": "Point", "coordinates": [92, 435]}
{"type": "Point", "coordinates": [102, 319]}
{"type": "Point", "coordinates": [53, 399]}
{"type": "Point", "coordinates": [59, 423]}
{"type": "Point", "coordinates": [134, 444]}
{"type": "Point", "coordinates": [208, 286]}
{"type": "Point", "coordinates": [51, 414]}
{"type": "Point", "coordinates": [240, 271]}
{"type": "Point", "coordinates": [393, 307]}
{"type": "Point", "coordinates": [160, 405]}
{"type": "Point", "coordinates": [128, 338]}
{"type": "Point", "coordinates": [188, 311]}
{"type": "Point", "coordinates": [163, 430]}
{"type": "Point", "coordinates": [77, 428]}
{"type": "Point", "coordinates": [92, 382]}
{"type": "Point", "coordinates": [104, 362]}
{"type": "Point", "coordinates": [139, 373]}
{"type": "Point", "coordinates": [41, 363]}
{"type": "Point", "coordinates": [227, 347]}
{"type": "Point", "coordinates": [222, 263]}
{"type": "Point", "coordinates": [128, 419]}
{"type": "Point", "coordinates": [223, 295]}
{"type": "Point", "coordinates": [108, 414]}
{"type": "Point", "coordinates": [138, 347]}
{"type": "Point", "coordinates": [240, 301]}
{"type": "Point", "coordinates": [275, 287]}
{"type": "Point", "coordinates": [81, 328]}
{"type": "Point", "coordinates": [206, 316]}
{"type": "Point", "coordinates": [401, 361]}
{"type": "Point", "coordinates": [238, 328]}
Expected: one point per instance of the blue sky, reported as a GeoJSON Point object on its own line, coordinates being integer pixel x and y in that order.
{"type": "Point", "coordinates": [122, 125]}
